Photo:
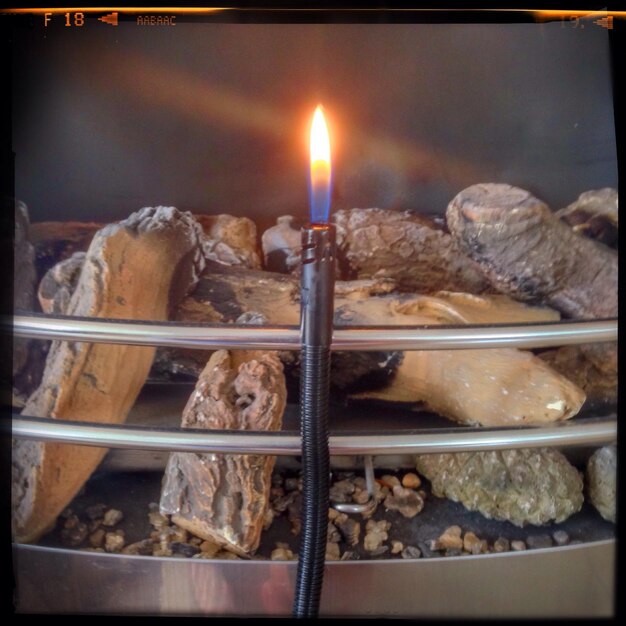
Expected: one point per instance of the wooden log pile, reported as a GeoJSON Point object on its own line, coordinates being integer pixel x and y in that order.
{"type": "Point", "coordinates": [505, 259]}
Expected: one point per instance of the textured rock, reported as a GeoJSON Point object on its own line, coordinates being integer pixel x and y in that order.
{"type": "Point", "coordinates": [59, 283]}
{"type": "Point", "coordinates": [594, 214]}
{"type": "Point", "coordinates": [520, 486]}
{"type": "Point", "coordinates": [139, 268]}
{"type": "Point", "coordinates": [601, 478]}
{"type": "Point", "coordinates": [406, 501]}
{"type": "Point", "coordinates": [526, 251]}
{"type": "Point", "coordinates": [219, 497]}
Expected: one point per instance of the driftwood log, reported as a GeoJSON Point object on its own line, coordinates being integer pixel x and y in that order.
{"type": "Point", "coordinates": [410, 249]}
{"type": "Point", "coordinates": [595, 215]}
{"type": "Point", "coordinates": [520, 486]}
{"type": "Point", "coordinates": [530, 254]}
{"type": "Point", "coordinates": [492, 387]}
{"type": "Point", "coordinates": [223, 498]}
{"type": "Point", "coordinates": [28, 357]}
{"type": "Point", "coordinates": [137, 269]}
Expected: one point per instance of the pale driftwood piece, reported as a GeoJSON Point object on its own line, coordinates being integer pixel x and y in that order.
{"type": "Point", "coordinates": [410, 249]}
{"type": "Point", "coordinates": [530, 254]}
{"type": "Point", "coordinates": [137, 269]}
{"type": "Point", "coordinates": [601, 479]}
{"type": "Point", "coordinates": [596, 377]}
{"type": "Point", "coordinates": [223, 498]}
{"type": "Point", "coordinates": [595, 215]}
{"type": "Point", "coordinates": [520, 486]}
{"type": "Point", "coordinates": [494, 387]}
{"type": "Point", "coordinates": [230, 240]}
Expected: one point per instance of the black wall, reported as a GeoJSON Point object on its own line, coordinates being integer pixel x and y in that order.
{"type": "Point", "coordinates": [214, 117]}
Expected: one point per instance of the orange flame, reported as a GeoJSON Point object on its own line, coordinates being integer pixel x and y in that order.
{"type": "Point", "coordinates": [320, 167]}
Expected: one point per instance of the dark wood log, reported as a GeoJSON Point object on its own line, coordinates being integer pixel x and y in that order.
{"type": "Point", "coordinates": [595, 215]}
{"type": "Point", "coordinates": [528, 253]}
{"type": "Point", "coordinates": [223, 498]}
{"type": "Point", "coordinates": [412, 250]}
{"type": "Point", "coordinates": [139, 268]}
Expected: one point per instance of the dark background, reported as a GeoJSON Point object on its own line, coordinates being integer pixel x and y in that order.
{"type": "Point", "coordinates": [214, 118]}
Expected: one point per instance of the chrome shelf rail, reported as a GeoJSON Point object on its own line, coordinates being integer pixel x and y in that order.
{"type": "Point", "coordinates": [371, 338]}
{"type": "Point", "coordinates": [595, 431]}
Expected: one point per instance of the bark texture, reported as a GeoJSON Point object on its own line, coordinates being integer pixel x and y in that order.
{"type": "Point", "coordinates": [412, 250]}
{"type": "Point", "coordinates": [137, 269]}
{"type": "Point", "coordinates": [520, 486]}
{"type": "Point", "coordinates": [595, 215]}
{"type": "Point", "coordinates": [223, 498]}
{"type": "Point", "coordinates": [528, 253]}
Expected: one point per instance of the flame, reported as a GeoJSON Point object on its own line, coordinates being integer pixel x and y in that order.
{"type": "Point", "coordinates": [319, 190]}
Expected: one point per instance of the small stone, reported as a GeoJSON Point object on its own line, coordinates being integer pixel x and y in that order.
{"type": "Point", "coordinates": [226, 555]}
{"type": "Point", "coordinates": [268, 517]}
{"type": "Point", "coordinates": [96, 539]}
{"type": "Point", "coordinates": [333, 535]}
{"type": "Point", "coordinates": [157, 520]}
{"type": "Point", "coordinates": [178, 534]}
{"type": "Point", "coordinates": [539, 541]}
{"type": "Point", "coordinates": [333, 514]}
{"type": "Point", "coordinates": [411, 552]}
{"type": "Point", "coordinates": [406, 501]}
{"type": "Point", "coordinates": [332, 551]}
{"type": "Point", "coordinates": [143, 548]}
{"type": "Point", "coordinates": [277, 492]}
{"type": "Point", "coordinates": [473, 544]}
{"type": "Point", "coordinates": [281, 554]}
{"type": "Point", "coordinates": [281, 503]}
{"type": "Point", "coordinates": [112, 517]}
{"type": "Point", "coordinates": [71, 521]}
{"type": "Point", "coordinates": [360, 496]}
{"type": "Point", "coordinates": [349, 528]}
{"type": "Point", "coordinates": [195, 541]}
{"type": "Point", "coordinates": [114, 541]}
{"type": "Point", "coordinates": [209, 548]}
{"type": "Point", "coordinates": [411, 481]}
{"type": "Point", "coordinates": [380, 550]}
{"type": "Point", "coordinates": [74, 535]}
{"type": "Point", "coordinates": [501, 544]}
{"type": "Point", "coordinates": [96, 511]}
{"type": "Point", "coordinates": [94, 524]}
{"type": "Point", "coordinates": [453, 552]}
{"type": "Point", "coordinates": [349, 555]}
{"type": "Point", "coordinates": [341, 491]}
{"type": "Point", "coordinates": [380, 492]}
{"type": "Point", "coordinates": [277, 480]}
{"type": "Point", "coordinates": [292, 484]}
{"type": "Point", "coordinates": [396, 546]}
{"type": "Point", "coordinates": [183, 549]}
{"type": "Point", "coordinates": [518, 545]}
{"type": "Point", "coordinates": [561, 538]}
{"type": "Point", "coordinates": [360, 483]}
{"type": "Point", "coordinates": [67, 512]}
{"type": "Point", "coordinates": [93, 550]}
{"type": "Point", "coordinates": [450, 539]}
{"type": "Point", "coordinates": [390, 481]}
{"type": "Point", "coordinates": [422, 494]}
{"type": "Point", "coordinates": [376, 534]}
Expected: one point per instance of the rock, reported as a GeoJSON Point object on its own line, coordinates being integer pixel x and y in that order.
{"type": "Point", "coordinates": [349, 528]}
{"type": "Point", "coordinates": [332, 552]}
{"type": "Point", "coordinates": [501, 544]}
{"type": "Point", "coordinates": [517, 545]}
{"type": "Point", "coordinates": [375, 534]}
{"type": "Point", "coordinates": [406, 501]}
{"type": "Point", "coordinates": [157, 520]}
{"type": "Point", "coordinates": [114, 541]}
{"type": "Point", "coordinates": [96, 511]}
{"type": "Point", "coordinates": [341, 491]}
{"type": "Point", "coordinates": [96, 539]}
{"type": "Point", "coordinates": [209, 548]}
{"type": "Point", "coordinates": [183, 549]}
{"type": "Point", "coordinates": [561, 538]}
{"type": "Point", "coordinates": [74, 534]}
{"type": "Point", "coordinates": [333, 535]}
{"type": "Point", "coordinates": [282, 554]}
{"type": "Point", "coordinates": [411, 552]}
{"type": "Point", "coordinates": [473, 544]}
{"type": "Point", "coordinates": [396, 546]}
{"type": "Point", "coordinates": [143, 548]}
{"type": "Point", "coordinates": [112, 517]}
{"type": "Point", "coordinates": [390, 481]}
{"type": "Point", "coordinates": [411, 481]}
{"type": "Point", "coordinates": [282, 245]}
{"type": "Point", "coordinates": [450, 539]}
{"type": "Point", "coordinates": [601, 478]}
{"type": "Point", "coordinates": [529, 486]}
{"type": "Point", "coordinates": [539, 541]}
